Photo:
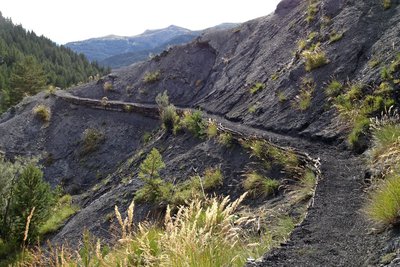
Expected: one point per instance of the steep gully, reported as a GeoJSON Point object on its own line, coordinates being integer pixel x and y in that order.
{"type": "Point", "coordinates": [334, 233]}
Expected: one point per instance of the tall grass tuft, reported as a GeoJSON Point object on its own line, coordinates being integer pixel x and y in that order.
{"type": "Point", "coordinates": [383, 206]}
{"type": "Point", "coordinates": [259, 186]}
{"type": "Point", "coordinates": [384, 154]}
{"type": "Point", "coordinates": [42, 112]}
{"type": "Point", "coordinates": [203, 233]}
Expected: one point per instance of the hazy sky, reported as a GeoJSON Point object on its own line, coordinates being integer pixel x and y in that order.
{"type": "Point", "coordinates": [72, 20]}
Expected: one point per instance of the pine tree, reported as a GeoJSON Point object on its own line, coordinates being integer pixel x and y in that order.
{"type": "Point", "coordinates": [155, 189]}
{"type": "Point", "coordinates": [27, 78]}
{"type": "Point", "coordinates": [30, 191]}
{"type": "Point", "coordinates": [151, 166]}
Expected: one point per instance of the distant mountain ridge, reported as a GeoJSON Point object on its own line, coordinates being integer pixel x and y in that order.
{"type": "Point", "coordinates": [118, 51]}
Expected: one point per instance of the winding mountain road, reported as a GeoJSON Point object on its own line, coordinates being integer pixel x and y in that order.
{"type": "Point", "coordinates": [335, 232]}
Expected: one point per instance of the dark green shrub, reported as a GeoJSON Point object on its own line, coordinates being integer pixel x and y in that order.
{"type": "Point", "coordinates": [168, 114]}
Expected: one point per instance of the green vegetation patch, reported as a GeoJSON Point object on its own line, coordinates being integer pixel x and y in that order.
{"type": "Point", "coordinates": [225, 139]}
{"type": "Point", "coordinates": [314, 59]}
{"type": "Point", "coordinates": [212, 129]}
{"type": "Point", "coordinates": [387, 4]}
{"type": "Point", "coordinates": [335, 37]}
{"type": "Point", "coordinates": [334, 88]}
{"type": "Point", "coordinates": [312, 10]}
{"type": "Point", "coordinates": [157, 191]}
{"type": "Point", "coordinates": [257, 87]}
{"type": "Point", "coordinates": [304, 98]}
{"type": "Point", "coordinates": [194, 123]}
{"type": "Point", "coordinates": [62, 211]}
{"type": "Point", "coordinates": [259, 186]}
{"type": "Point", "coordinates": [91, 140]}
{"type": "Point", "coordinates": [383, 206]}
{"type": "Point", "coordinates": [152, 77]}
{"type": "Point", "coordinates": [357, 103]}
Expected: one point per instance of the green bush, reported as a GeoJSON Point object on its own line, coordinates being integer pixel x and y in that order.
{"type": "Point", "coordinates": [360, 128]}
{"type": "Point", "coordinates": [282, 97]}
{"type": "Point", "coordinates": [304, 98]}
{"type": "Point", "coordinates": [162, 100]}
{"type": "Point", "coordinates": [252, 109]}
{"type": "Point", "coordinates": [108, 86]}
{"type": "Point", "coordinates": [385, 74]}
{"type": "Point", "coordinates": [385, 151]}
{"type": "Point", "coordinates": [259, 186]}
{"type": "Point", "coordinates": [307, 185]}
{"type": "Point", "coordinates": [168, 114]}
{"type": "Point", "coordinates": [374, 62]}
{"type": "Point", "coordinates": [146, 137]}
{"type": "Point", "coordinates": [269, 153]}
{"type": "Point", "coordinates": [194, 123]}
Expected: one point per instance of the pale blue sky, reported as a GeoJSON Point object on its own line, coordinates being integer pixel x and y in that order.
{"type": "Point", "coordinates": [64, 21]}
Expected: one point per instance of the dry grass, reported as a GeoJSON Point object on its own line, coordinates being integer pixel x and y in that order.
{"type": "Point", "coordinates": [108, 86]}
{"type": "Point", "coordinates": [383, 206]}
{"type": "Point", "coordinates": [204, 233]}
{"type": "Point", "coordinates": [303, 100]}
{"type": "Point", "coordinates": [212, 129]}
{"type": "Point", "coordinates": [384, 154]}
{"type": "Point", "coordinates": [314, 59]}
{"type": "Point", "coordinates": [225, 139]}
{"type": "Point", "coordinates": [42, 112]}
{"type": "Point", "coordinates": [257, 87]}
{"type": "Point", "coordinates": [152, 77]}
